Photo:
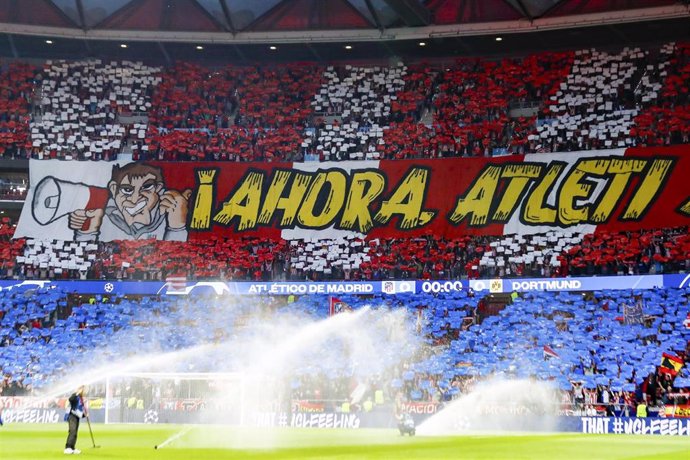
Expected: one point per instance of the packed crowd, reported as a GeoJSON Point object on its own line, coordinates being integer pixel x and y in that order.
{"type": "Point", "coordinates": [582, 100]}
{"type": "Point", "coordinates": [232, 113]}
{"type": "Point", "coordinates": [365, 101]}
{"type": "Point", "coordinates": [235, 143]}
{"type": "Point", "coordinates": [552, 254]}
{"type": "Point", "coordinates": [581, 119]}
{"type": "Point", "coordinates": [9, 249]}
{"type": "Point", "coordinates": [666, 121]}
{"type": "Point", "coordinates": [603, 356]}
{"type": "Point", "coordinates": [472, 101]}
{"type": "Point", "coordinates": [610, 351]}
{"type": "Point", "coordinates": [17, 87]}
{"type": "Point", "coordinates": [194, 97]}
{"type": "Point", "coordinates": [78, 117]}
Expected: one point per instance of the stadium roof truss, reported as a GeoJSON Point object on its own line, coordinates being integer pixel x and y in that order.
{"type": "Point", "coordinates": [315, 21]}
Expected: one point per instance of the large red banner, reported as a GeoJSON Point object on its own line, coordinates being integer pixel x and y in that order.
{"type": "Point", "coordinates": [581, 192]}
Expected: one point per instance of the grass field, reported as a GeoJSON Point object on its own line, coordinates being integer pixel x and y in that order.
{"type": "Point", "coordinates": [19, 441]}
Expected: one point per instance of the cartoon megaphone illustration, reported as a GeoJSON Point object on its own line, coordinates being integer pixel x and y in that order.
{"type": "Point", "coordinates": [55, 198]}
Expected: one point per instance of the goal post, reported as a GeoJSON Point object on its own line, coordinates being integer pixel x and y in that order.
{"type": "Point", "coordinates": [218, 398]}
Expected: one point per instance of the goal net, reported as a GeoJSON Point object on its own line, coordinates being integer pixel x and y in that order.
{"type": "Point", "coordinates": [218, 398]}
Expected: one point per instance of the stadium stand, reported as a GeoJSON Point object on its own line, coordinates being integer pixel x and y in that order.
{"type": "Point", "coordinates": [472, 101]}
{"type": "Point", "coordinates": [235, 113]}
{"type": "Point", "coordinates": [235, 143]}
{"type": "Point", "coordinates": [17, 88]}
{"type": "Point", "coordinates": [552, 254]}
{"type": "Point", "coordinates": [584, 100]}
{"type": "Point", "coordinates": [49, 260]}
{"type": "Point", "coordinates": [606, 114]}
{"type": "Point", "coordinates": [666, 121]}
{"type": "Point", "coordinates": [80, 104]}
{"type": "Point", "coordinates": [191, 96]}
{"type": "Point", "coordinates": [583, 344]}
{"type": "Point", "coordinates": [590, 338]}
{"type": "Point", "coordinates": [361, 97]}
{"type": "Point", "coordinates": [588, 345]}
{"type": "Point", "coordinates": [10, 248]}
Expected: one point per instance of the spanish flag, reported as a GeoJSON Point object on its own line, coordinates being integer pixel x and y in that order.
{"type": "Point", "coordinates": [670, 364]}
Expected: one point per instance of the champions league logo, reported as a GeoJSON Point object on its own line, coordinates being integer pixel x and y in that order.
{"type": "Point", "coordinates": [151, 416]}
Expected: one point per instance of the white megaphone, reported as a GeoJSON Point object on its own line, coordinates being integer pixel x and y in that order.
{"type": "Point", "coordinates": [55, 198]}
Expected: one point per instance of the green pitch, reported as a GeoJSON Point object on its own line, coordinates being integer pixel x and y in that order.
{"type": "Point", "coordinates": [34, 442]}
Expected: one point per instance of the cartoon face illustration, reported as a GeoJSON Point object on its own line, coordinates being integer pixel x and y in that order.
{"type": "Point", "coordinates": [137, 195]}
{"type": "Point", "coordinates": [138, 207]}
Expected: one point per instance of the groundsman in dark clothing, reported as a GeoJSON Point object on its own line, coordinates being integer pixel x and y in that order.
{"type": "Point", "coordinates": [76, 413]}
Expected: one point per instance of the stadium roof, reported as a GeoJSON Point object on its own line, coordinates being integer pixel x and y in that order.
{"type": "Point", "coordinates": [245, 21]}
{"type": "Point", "coordinates": [275, 30]}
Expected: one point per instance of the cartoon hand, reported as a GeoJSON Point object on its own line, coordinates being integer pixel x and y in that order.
{"type": "Point", "coordinates": [86, 220]}
{"type": "Point", "coordinates": [175, 205]}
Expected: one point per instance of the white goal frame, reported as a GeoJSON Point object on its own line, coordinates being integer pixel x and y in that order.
{"type": "Point", "coordinates": [188, 376]}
